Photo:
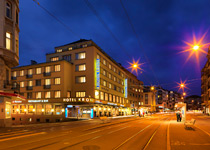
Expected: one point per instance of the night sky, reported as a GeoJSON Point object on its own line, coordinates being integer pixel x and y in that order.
{"type": "Point", "coordinates": [161, 25]}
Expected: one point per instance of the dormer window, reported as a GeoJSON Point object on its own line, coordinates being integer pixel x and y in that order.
{"type": "Point", "coordinates": [59, 50]}
{"type": "Point", "coordinates": [8, 10]}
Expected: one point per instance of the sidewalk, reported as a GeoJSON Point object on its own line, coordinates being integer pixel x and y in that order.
{"type": "Point", "coordinates": [192, 139]}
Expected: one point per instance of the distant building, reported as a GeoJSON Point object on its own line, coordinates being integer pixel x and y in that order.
{"type": "Point", "coordinates": [193, 102]}
{"type": "Point", "coordinates": [161, 98]}
{"type": "Point", "coordinates": [205, 85]}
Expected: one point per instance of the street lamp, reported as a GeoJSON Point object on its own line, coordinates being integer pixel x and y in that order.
{"type": "Point", "coordinates": [135, 66]}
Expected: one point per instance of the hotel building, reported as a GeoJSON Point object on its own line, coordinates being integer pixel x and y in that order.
{"type": "Point", "coordinates": [78, 80]}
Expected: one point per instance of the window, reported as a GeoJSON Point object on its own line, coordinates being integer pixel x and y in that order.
{"type": "Point", "coordinates": [57, 80]}
{"type": "Point", "coordinates": [57, 94]}
{"type": "Point", "coordinates": [47, 69]}
{"type": "Point", "coordinates": [117, 99]}
{"type": "Point", "coordinates": [110, 66]}
{"type": "Point", "coordinates": [97, 56]}
{"type": "Point", "coordinates": [70, 48]}
{"type": "Point", "coordinates": [54, 58]}
{"type": "Point", "coordinates": [31, 109]}
{"type": "Point", "coordinates": [23, 109]}
{"type": "Point", "coordinates": [81, 55]}
{"type": "Point", "coordinates": [17, 17]}
{"type": "Point", "coordinates": [47, 81]}
{"type": "Point", "coordinates": [21, 73]}
{"type": "Point", "coordinates": [104, 72]}
{"type": "Point", "coordinates": [110, 97]}
{"type": "Point", "coordinates": [114, 69]}
{"type": "Point", "coordinates": [80, 94]}
{"type": "Point", "coordinates": [17, 47]}
{"type": "Point", "coordinates": [39, 109]}
{"type": "Point", "coordinates": [14, 74]}
{"type": "Point", "coordinates": [96, 94]}
{"type": "Point", "coordinates": [8, 110]}
{"type": "Point", "coordinates": [114, 78]}
{"type": "Point", "coordinates": [102, 95]}
{"type": "Point", "coordinates": [38, 70]}
{"type": "Point", "coordinates": [146, 98]}
{"type": "Point", "coordinates": [49, 109]}
{"type": "Point", "coordinates": [68, 94]}
{"type": "Point", "coordinates": [47, 94]}
{"type": "Point", "coordinates": [106, 97]}
{"type": "Point", "coordinates": [30, 83]}
{"type": "Point", "coordinates": [104, 83]}
{"type": "Point", "coordinates": [38, 82]}
{"type": "Point", "coordinates": [58, 109]}
{"type": "Point", "coordinates": [38, 95]}
{"type": "Point", "coordinates": [81, 79]}
{"type": "Point", "coordinates": [22, 84]}
{"type": "Point", "coordinates": [67, 57]}
{"type": "Point", "coordinates": [30, 72]}
{"type": "Point", "coordinates": [110, 76]}
{"type": "Point", "coordinates": [81, 67]}
{"type": "Point", "coordinates": [59, 50]}
{"type": "Point", "coordinates": [8, 10]}
{"type": "Point", "coordinates": [110, 85]}
{"type": "Point", "coordinates": [57, 68]}
{"type": "Point", "coordinates": [29, 95]}
{"type": "Point", "coordinates": [8, 40]}
{"type": "Point", "coordinates": [84, 45]}
{"type": "Point", "coordinates": [104, 62]}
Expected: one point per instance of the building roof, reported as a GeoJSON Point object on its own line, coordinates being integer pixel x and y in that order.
{"type": "Point", "coordinates": [193, 96]}
{"type": "Point", "coordinates": [79, 41]}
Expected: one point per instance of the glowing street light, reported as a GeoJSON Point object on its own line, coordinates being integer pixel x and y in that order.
{"type": "Point", "coordinates": [152, 88]}
{"type": "Point", "coordinates": [195, 48]}
{"type": "Point", "coordinates": [184, 94]}
{"type": "Point", "coordinates": [135, 66]}
{"type": "Point", "coordinates": [182, 85]}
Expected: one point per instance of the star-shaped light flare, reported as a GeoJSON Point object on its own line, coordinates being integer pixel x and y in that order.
{"type": "Point", "coordinates": [135, 66]}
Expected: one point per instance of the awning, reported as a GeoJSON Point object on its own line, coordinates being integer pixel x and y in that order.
{"type": "Point", "coordinates": [13, 96]}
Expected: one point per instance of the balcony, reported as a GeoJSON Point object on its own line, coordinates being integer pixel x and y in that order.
{"type": "Point", "coordinates": [47, 74]}
{"type": "Point", "coordinates": [29, 76]}
{"type": "Point", "coordinates": [47, 86]}
{"type": "Point", "coordinates": [29, 87]}
{"type": "Point", "coordinates": [12, 85]}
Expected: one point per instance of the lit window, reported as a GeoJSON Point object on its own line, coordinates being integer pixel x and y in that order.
{"type": "Point", "coordinates": [104, 72]}
{"type": "Point", "coordinates": [97, 57]}
{"type": "Point", "coordinates": [57, 80]}
{"type": "Point", "coordinates": [102, 95]}
{"type": "Point", "coordinates": [114, 78]}
{"type": "Point", "coordinates": [117, 99]}
{"type": "Point", "coordinates": [68, 94]}
{"type": "Point", "coordinates": [110, 66]}
{"type": "Point", "coordinates": [38, 95]}
{"type": "Point", "coordinates": [81, 79]}
{"type": "Point", "coordinates": [22, 84]}
{"type": "Point", "coordinates": [104, 83]}
{"type": "Point", "coordinates": [81, 67]}
{"type": "Point", "coordinates": [81, 55]}
{"type": "Point", "coordinates": [57, 68]}
{"type": "Point", "coordinates": [114, 69]}
{"type": "Point", "coordinates": [110, 85]}
{"type": "Point", "coordinates": [47, 94]}
{"type": "Point", "coordinates": [30, 71]}
{"type": "Point", "coordinates": [21, 73]}
{"type": "Point", "coordinates": [106, 97]}
{"type": "Point", "coordinates": [113, 98]}
{"type": "Point", "coordinates": [8, 40]}
{"type": "Point", "coordinates": [57, 94]}
{"type": "Point", "coordinates": [30, 83]}
{"type": "Point", "coordinates": [96, 94]}
{"type": "Point", "coordinates": [80, 94]}
{"type": "Point", "coordinates": [54, 59]}
{"type": "Point", "coordinates": [110, 76]}
{"type": "Point", "coordinates": [104, 62]}
{"type": "Point", "coordinates": [70, 48]}
{"type": "Point", "coordinates": [47, 69]}
{"type": "Point", "coordinates": [84, 45]}
{"type": "Point", "coordinates": [47, 81]}
{"type": "Point", "coordinates": [110, 97]}
{"type": "Point", "coordinates": [38, 70]}
{"type": "Point", "coordinates": [14, 74]}
{"type": "Point", "coordinates": [59, 50]}
{"type": "Point", "coordinates": [8, 10]}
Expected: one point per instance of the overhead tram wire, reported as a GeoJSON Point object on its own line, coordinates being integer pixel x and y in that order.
{"type": "Point", "coordinates": [61, 22]}
{"type": "Point", "coordinates": [138, 39]}
{"type": "Point", "coordinates": [105, 25]}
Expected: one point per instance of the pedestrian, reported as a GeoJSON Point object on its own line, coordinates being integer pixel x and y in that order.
{"type": "Point", "coordinates": [177, 116]}
{"type": "Point", "coordinates": [180, 117]}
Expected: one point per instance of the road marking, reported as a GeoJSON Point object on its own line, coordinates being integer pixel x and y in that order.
{"type": "Point", "coordinates": [21, 136]}
{"type": "Point", "coordinates": [117, 130]}
{"type": "Point", "coordinates": [5, 133]}
{"type": "Point", "coordinates": [168, 137]}
{"type": "Point", "coordinates": [203, 130]}
{"type": "Point", "coordinates": [8, 135]}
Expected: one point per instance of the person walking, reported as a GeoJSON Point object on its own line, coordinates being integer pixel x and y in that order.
{"type": "Point", "coordinates": [177, 116]}
{"type": "Point", "coordinates": [180, 117]}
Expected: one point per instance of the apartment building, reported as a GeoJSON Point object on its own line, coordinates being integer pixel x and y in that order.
{"type": "Point", "coordinates": [205, 85]}
{"type": "Point", "coordinates": [9, 56]}
{"type": "Point", "coordinates": [90, 84]}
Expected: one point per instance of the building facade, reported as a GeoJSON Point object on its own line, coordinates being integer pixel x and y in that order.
{"type": "Point", "coordinates": [9, 56]}
{"type": "Point", "coordinates": [193, 102]}
{"type": "Point", "coordinates": [89, 84]}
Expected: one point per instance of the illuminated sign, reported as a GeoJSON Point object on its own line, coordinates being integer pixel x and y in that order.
{"type": "Point", "coordinates": [126, 88]}
{"type": "Point", "coordinates": [91, 113]}
{"type": "Point", "coordinates": [112, 104]}
{"type": "Point", "coordinates": [69, 106]}
{"type": "Point", "coordinates": [16, 101]}
{"type": "Point", "coordinates": [38, 101]}
{"type": "Point", "coordinates": [97, 74]}
{"type": "Point", "coordinates": [78, 100]}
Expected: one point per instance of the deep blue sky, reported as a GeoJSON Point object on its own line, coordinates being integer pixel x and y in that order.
{"type": "Point", "coordinates": [161, 25]}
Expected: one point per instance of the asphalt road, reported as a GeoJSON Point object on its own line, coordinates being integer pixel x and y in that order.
{"type": "Point", "coordinates": [158, 132]}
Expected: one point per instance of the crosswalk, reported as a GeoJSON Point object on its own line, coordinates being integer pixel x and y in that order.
{"type": "Point", "coordinates": [10, 135]}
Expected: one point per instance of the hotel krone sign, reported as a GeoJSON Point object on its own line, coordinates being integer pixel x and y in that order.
{"type": "Point", "coordinates": [78, 100]}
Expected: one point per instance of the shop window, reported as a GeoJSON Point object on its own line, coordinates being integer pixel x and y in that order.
{"type": "Point", "coordinates": [15, 109]}
{"type": "Point", "coordinates": [96, 94]}
{"type": "Point", "coordinates": [58, 109]}
{"type": "Point", "coordinates": [8, 110]}
{"type": "Point", "coordinates": [23, 109]}
{"type": "Point", "coordinates": [31, 109]}
{"type": "Point", "coordinates": [39, 109]}
{"type": "Point", "coordinates": [48, 109]}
